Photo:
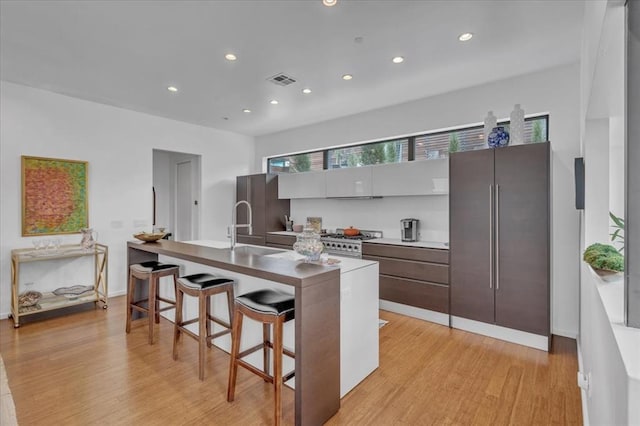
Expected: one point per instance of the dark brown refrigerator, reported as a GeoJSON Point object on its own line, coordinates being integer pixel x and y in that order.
{"type": "Point", "coordinates": [499, 236]}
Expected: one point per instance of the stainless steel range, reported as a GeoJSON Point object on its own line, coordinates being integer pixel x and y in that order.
{"type": "Point", "coordinates": [341, 245]}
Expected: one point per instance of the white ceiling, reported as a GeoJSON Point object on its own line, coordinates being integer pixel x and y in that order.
{"type": "Point", "coordinates": [126, 53]}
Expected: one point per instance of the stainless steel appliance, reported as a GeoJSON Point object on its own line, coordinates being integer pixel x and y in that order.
{"type": "Point", "coordinates": [341, 245]}
{"type": "Point", "coordinates": [409, 229]}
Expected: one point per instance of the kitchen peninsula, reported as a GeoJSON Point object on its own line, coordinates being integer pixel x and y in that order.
{"type": "Point", "coordinates": [336, 312]}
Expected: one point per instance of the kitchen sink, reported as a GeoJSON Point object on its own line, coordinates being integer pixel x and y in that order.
{"type": "Point", "coordinates": [256, 251]}
{"type": "Point", "coordinates": [287, 255]}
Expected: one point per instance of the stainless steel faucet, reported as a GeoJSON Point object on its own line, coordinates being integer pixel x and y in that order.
{"type": "Point", "coordinates": [235, 226]}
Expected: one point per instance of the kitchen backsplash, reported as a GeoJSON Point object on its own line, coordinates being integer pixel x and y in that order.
{"type": "Point", "coordinates": [381, 214]}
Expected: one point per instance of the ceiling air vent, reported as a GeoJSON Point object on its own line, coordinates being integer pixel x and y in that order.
{"type": "Point", "coordinates": [281, 79]}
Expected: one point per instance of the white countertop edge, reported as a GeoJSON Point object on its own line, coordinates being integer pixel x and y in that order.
{"type": "Point", "coordinates": [392, 241]}
{"type": "Point", "coordinates": [399, 242]}
{"type": "Point", "coordinates": [628, 338]}
{"type": "Point", "coordinates": [290, 233]}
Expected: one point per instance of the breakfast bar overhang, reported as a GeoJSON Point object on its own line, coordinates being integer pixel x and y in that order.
{"type": "Point", "coordinates": [317, 315]}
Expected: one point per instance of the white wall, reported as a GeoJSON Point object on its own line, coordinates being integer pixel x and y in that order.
{"type": "Point", "coordinates": [118, 145]}
{"type": "Point", "coordinates": [555, 91]}
{"type": "Point", "coordinates": [380, 214]}
{"type": "Point", "coordinates": [608, 400]}
{"type": "Point", "coordinates": [616, 165]}
{"type": "Point", "coordinates": [596, 164]}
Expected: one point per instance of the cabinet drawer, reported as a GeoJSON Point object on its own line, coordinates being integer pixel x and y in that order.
{"type": "Point", "coordinates": [434, 272]}
{"type": "Point", "coordinates": [420, 294]}
{"type": "Point", "coordinates": [256, 240]}
{"type": "Point", "coordinates": [408, 253]}
{"type": "Point", "coordinates": [285, 240]}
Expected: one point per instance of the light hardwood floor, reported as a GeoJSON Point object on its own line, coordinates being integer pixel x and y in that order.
{"type": "Point", "coordinates": [82, 369]}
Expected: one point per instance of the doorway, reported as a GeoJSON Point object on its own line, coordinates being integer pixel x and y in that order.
{"type": "Point", "coordinates": [177, 189]}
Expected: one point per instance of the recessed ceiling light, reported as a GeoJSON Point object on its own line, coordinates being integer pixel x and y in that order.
{"type": "Point", "coordinates": [398, 60]}
{"type": "Point", "coordinates": [172, 89]}
{"type": "Point", "coordinates": [347, 77]}
{"type": "Point", "coordinates": [306, 90]}
{"type": "Point", "coordinates": [273, 102]}
{"type": "Point", "coordinates": [329, 2]}
{"type": "Point", "coordinates": [246, 110]}
{"type": "Point", "coordinates": [230, 57]}
{"type": "Point", "coordinates": [465, 36]}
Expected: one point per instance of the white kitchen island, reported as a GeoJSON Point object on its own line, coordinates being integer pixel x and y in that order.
{"type": "Point", "coordinates": [359, 346]}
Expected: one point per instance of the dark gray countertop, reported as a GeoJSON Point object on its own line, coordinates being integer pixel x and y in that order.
{"type": "Point", "coordinates": [250, 261]}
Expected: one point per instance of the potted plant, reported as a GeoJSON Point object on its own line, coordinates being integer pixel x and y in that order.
{"type": "Point", "coordinates": [605, 260]}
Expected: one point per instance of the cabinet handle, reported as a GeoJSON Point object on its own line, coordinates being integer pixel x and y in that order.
{"type": "Point", "coordinates": [490, 236]}
{"type": "Point", "coordinates": [497, 237]}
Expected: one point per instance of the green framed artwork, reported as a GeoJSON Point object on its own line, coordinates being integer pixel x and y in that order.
{"type": "Point", "coordinates": [54, 196]}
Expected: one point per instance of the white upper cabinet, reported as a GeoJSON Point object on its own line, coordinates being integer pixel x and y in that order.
{"type": "Point", "coordinates": [302, 185]}
{"type": "Point", "coordinates": [425, 177]}
{"type": "Point", "coordinates": [349, 182]}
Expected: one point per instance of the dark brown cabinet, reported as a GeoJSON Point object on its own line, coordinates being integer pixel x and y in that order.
{"type": "Point", "coordinates": [261, 191]}
{"type": "Point", "coordinates": [413, 276]}
{"type": "Point", "coordinates": [281, 241]}
{"type": "Point", "coordinates": [499, 236]}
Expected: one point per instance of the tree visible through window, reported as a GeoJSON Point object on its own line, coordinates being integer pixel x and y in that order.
{"type": "Point", "coordinates": [306, 162]}
{"type": "Point", "coordinates": [369, 154]}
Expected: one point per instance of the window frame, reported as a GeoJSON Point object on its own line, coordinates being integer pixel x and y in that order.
{"type": "Point", "coordinates": [411, 143]}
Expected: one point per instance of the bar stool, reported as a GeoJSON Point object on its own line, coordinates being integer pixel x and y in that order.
{"type": "Point", "coordinates": [151, 271]}
{"type": "Point", "coordinates": [269, 307]}
{"type": "Point", "coordinates": [202, 286]}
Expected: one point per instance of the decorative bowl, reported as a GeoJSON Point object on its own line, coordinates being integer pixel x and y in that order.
{"type": "Point", "coordinates": [72, 292]}
{"type": "Point", "coordinates": [498, 137]}
{"type": "Point", "coordinates": [29, 298]}
{"type": "Point", "coordinates": [309, 245]}
{"type": "Point", "coordinates": [149, 236]}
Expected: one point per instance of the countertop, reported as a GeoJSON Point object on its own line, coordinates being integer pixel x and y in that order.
{"type": "Point", "coordinates": [392, 241]}
{"type": "Point", "coordinates": [628, 338]}
{"type": "Point", "coordinates": [247, 260]}
{"type": "Point", "coordinates": [346, 264]}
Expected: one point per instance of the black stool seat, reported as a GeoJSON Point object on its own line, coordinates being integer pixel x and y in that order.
{"type": "Point", "coordinates": [151, 266]}
{"type": "Point", "coordinates": [269, 302]}
{"type": "Point", "coordinates": [202, 281]}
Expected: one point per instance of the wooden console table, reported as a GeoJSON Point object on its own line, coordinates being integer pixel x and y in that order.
{"type": "Point", "coordinates": [50, 301]}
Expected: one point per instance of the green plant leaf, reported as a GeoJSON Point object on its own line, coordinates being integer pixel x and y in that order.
{"type": "Point", "coordinates": [618, 221]}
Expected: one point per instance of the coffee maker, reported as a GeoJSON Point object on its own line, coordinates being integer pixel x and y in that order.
{"type": "Point", "coordinates": [409, 229]}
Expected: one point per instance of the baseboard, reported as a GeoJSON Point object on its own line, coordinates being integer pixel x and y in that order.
{"type": "Point", "coordinates": [510, 335]}
{"type": "Point", "coordinates": [412, 311]}
{"type": "Point", "coordinates": [583, 393]}
{"type": "Point", "coordinates": [565, 333]}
